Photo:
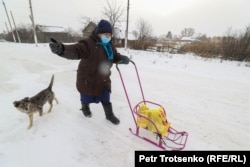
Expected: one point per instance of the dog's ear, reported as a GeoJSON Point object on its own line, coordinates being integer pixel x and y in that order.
{"type": "Point", "coordinates": [26, 99]}
{"type": "Point", "coordinates": [16, 103]}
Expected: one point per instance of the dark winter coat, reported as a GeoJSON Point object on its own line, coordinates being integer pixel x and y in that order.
{"type": "Point", "coordinates": [93, 74]}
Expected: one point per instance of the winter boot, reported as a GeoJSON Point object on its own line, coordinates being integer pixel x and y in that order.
{"type": "Point", "coordinates": [109, 113]}
{"type": "Point", "coordinates": [85, 110]}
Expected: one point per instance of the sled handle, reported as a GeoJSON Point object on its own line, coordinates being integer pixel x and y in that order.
{"type": "Point", "coordinates": [121, 62]}
{"type": "Point", "coordinates": [138, 77]}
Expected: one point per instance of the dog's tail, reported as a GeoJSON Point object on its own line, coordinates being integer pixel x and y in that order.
{"type": "Point", "coordinates": [51, 83]}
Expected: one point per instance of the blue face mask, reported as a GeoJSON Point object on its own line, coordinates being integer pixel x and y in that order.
{"type": "Point", "coordinates": [105, 39]}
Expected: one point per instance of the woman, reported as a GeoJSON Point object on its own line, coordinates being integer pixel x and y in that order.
{"type": "Point", "coordinates": [97, 55]}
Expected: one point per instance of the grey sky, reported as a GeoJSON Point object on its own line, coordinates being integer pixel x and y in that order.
{"type": "Point", "coordinates": [210, 17]}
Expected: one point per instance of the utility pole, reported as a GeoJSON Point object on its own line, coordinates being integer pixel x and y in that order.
{"type": "Point", "coordinates": [7, 27]}
{"type": "Point", "coordinates": [19, 40]}
{"type": "Point", "coordinates": [126, 32]}
{"type": "Point", "coordinates": [14, 38]}
{"type": "Point", "coordinates": [33, 23]}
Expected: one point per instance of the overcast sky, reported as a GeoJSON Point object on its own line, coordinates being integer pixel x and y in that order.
{"type": "Point", "coordinates": [210, 17]}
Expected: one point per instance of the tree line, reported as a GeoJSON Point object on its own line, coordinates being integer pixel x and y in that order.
{"type": "Point", "coordinates": [235, 45]}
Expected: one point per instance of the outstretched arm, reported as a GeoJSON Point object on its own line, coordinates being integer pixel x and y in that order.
{"type": "Point", "coordinates": [74, 51]}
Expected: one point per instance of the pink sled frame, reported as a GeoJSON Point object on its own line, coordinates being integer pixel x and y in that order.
{"type": "Point", "coordinates": [174, 140]}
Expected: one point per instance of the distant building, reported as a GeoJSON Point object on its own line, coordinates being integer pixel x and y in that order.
{"type": "Point", "coordinates": [44, 33]}
{"type": "Point", "coordinates": [189, 40]}
{"type": "Point", "coordinates": [89, 28]}
{"type": "Point", "coordinates": [120, 33]}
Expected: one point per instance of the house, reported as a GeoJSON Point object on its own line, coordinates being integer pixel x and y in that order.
{"type": "Point", "coordinates": [187, 40]}
{"type": "Point", "coordinates": [119, 35]}
{"type": "Point", "coordinates": [44, 33]}
{"type": "Point", "coordinates": [89, 28]}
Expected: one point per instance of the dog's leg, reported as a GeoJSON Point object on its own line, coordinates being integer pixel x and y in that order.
{"type": "Point", "coordinates": [40, 112]}
{"type": "Point", "coordinates": [51, 105]}
{"type": "Point", "coordinates": [56, 100]}
{"type": "Point", "coordinates": [31, 121]}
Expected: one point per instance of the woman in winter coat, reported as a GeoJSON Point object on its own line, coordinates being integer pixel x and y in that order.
{"type": "Point", "coordinates": [97, 55]}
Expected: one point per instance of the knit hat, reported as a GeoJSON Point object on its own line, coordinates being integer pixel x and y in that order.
{"type": "Point", "coordinates": [103, 27]}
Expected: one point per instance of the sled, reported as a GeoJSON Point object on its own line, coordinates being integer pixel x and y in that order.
{"type": "Point", "coordinates": [150, 118]}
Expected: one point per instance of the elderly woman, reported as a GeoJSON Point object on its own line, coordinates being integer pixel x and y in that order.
{"type": "Point", "coordinates": [97, 55]}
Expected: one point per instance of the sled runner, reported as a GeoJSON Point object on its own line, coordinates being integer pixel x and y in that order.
{"type": "Point", "coordinates": [150, 117]}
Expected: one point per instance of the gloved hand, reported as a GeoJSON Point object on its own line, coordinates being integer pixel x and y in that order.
{"type": "Point", "coordinates": [56, 47]}
{"type": "Point", "coordinates": [124, 60]}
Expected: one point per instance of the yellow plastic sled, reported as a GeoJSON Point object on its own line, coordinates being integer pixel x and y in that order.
{"type": "Point", "coordinates": [154, 120]}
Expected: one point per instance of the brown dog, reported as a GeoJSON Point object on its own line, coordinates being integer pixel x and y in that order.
{"type": "Point", "coordinates": [35, 104]}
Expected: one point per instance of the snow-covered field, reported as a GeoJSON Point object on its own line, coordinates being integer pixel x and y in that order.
{"type": "Point", "coordinates": [209, 99]}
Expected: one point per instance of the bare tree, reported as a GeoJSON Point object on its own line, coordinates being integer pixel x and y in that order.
{"type": "Point", "coordinates": [187, 32]}
{"type": "Point", "coordinates": [135, 34]}
{"type": "Point", "coordinates": [113, 11]}
{"type": "Point", "coordinates": [85, 20]}
{"type": "Point", "coordinates": [169, 35]}
{"type": "Point", "coordinates": [243, 45]}
{"type": "Point", "coordinates": [25, 32]}
{"type": "Point", "coordinates": [228, 44]}
{"type": "Point", "coordinates": [144, 34]}
{"type": "Point", "coordinates": [144, 29]}
{"type": "Point", "coordinates": [235, 45]}
{"type": "Point", "coordinates": [201, 37]}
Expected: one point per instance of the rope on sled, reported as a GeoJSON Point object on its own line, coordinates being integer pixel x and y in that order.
{"type": "Point", "coordinates": [164, 142]}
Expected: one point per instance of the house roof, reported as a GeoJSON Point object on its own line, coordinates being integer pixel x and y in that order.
{"type": "Point", "coordinates": [44, 28]}
{"type": "Point", "coordinates": [120, 32]}
{"type": "Point", "coordinates": [88, 29]}
{"type": "Point", "coordinates": [188, 39]}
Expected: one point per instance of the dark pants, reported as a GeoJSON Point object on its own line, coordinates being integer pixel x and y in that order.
{"type": "Point", "coordinates": [104, 98]}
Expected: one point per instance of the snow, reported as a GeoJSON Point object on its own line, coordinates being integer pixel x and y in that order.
{"type": "Point", "coordinates": [51, 29]}
{"type": "Point", "coordinates": [207, 98]}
